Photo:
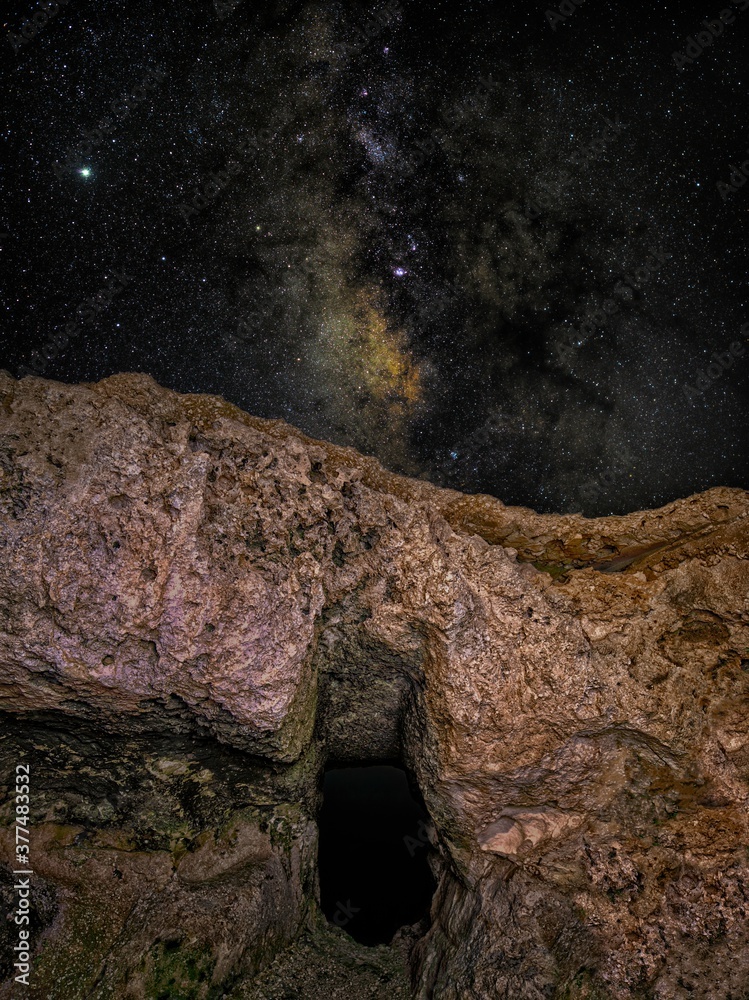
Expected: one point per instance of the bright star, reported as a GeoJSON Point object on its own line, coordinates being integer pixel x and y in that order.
{"type": "Point", "coordinates": [85, 171]}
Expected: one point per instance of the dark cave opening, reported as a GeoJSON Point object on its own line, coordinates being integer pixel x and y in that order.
{"type": "Point", "coordinates": [374, 873]}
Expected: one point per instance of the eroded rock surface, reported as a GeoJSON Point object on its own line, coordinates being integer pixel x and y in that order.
{"type": "Point", "coordinates": [199, 608]}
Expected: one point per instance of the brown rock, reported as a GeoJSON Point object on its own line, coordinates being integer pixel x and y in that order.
{"type": "Point", "coordinates": [185, 587]}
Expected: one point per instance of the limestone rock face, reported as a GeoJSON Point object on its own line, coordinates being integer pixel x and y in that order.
{"type": "Point", "coordinates": [520, 830]}
{"type": "Point", "coordinates": [199, 608]}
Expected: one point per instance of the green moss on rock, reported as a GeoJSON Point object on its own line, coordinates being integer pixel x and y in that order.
{"type": "Point", "coordinates": [173, 972]}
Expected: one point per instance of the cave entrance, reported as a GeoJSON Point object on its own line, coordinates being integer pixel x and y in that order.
{"type": "Point", "coordinates": [374, 874]}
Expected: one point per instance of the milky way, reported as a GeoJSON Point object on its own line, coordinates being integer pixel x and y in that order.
{"type": "Point", "coordinates": [499, 248]}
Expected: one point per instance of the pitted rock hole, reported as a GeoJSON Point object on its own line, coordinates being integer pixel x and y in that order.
{"type": "Point", "coordinates": [374, 873]}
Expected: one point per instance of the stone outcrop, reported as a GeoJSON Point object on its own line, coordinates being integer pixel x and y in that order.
{"type": "Point", "coordinates": [200, 608]}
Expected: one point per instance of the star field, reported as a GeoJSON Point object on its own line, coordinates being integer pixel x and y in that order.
{"type": "Point", "coordinates": [491, 252]}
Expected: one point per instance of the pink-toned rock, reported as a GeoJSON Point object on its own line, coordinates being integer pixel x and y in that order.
{"type": "Point", "coordinates": [570, 695]}
{"type": "Point", "coordinates": [525, 828]}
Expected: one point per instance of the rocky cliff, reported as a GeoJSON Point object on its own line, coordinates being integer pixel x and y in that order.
{"type": "Point", "coordinates": [200, 608]}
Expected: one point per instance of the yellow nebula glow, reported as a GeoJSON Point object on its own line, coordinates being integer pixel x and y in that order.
{"type": "Point", "coordinates": [388, 368]}
{"type": "Point", "coordinates": [379, 383]}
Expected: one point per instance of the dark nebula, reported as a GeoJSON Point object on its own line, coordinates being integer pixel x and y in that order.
{"type": "Point", "coordinates": [501, 247]}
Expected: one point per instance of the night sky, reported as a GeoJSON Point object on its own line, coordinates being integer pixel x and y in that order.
{"type": "Point", "coordinates": [499, 249]}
